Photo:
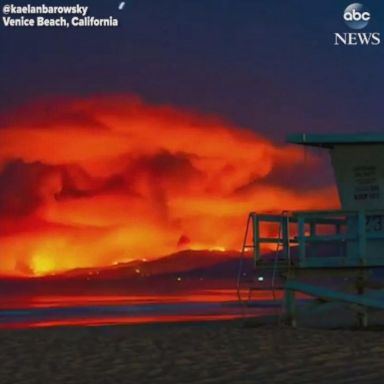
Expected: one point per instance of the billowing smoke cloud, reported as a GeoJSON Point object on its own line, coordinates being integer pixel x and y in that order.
{"type": "Point", "coordinates": [98, 180]}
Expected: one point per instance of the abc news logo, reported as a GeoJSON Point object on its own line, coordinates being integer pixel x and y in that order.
{"type": "Point", "coordinates": [357, 17]}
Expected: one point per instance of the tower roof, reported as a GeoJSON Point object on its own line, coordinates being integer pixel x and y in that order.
{"type": "Point", "coordinates": [330, 140]}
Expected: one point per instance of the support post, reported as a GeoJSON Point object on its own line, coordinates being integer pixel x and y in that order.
{"type": "Point", "coordinates": [290, 302]}
{"type": "Point", "coordinates": [290, 307]}
{"type": "Point", "coordinates": [362, 317]}
{"type": "Point", "coordinates": [361, 235]}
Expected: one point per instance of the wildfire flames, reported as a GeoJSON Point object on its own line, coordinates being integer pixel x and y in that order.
{"type": "Point", "coordinates": [94, 181]}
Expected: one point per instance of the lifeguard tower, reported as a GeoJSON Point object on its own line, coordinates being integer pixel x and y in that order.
{"type": "Point", "coordinates": [343, 244]}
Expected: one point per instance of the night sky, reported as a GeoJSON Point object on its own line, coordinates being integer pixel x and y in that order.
{"type": "Point", "coordinates": [267, 65]}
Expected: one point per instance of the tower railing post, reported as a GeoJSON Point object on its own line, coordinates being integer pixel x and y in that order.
{"type": "Point", "coordinates": [301, 238]}
{"type": "Point", "coordinates": [256, 238]}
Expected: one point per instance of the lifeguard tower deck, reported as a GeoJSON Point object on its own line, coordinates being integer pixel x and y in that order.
{"type": "Point", "coordinates": [319, 244]}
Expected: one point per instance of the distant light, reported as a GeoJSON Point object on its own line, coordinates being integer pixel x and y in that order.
{"type": "Point", "coordinates": [121, 5]}
{"type": "Point", "coordinates": [137, 270]}
{"type": "Point", "coordinates": [179, 278]}
{"type": "Point", "coordinates": [260, 278]}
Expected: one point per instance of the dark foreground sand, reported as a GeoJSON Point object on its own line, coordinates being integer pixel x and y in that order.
{"type": "Point", "coordinates": [221, 352]}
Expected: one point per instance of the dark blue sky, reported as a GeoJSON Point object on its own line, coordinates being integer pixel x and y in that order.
{"type": "Point", "coordinates": [268, 65]}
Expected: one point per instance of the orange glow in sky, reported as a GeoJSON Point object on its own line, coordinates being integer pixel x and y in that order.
{"type": "Point", "coordinates": [98, 180]}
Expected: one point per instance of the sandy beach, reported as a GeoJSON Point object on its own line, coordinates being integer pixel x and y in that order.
{"type": "Point", "coordinates": [214, 352]}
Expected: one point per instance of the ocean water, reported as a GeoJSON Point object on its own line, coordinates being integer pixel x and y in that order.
{"type": "Point", "coordinates": [28, 311]}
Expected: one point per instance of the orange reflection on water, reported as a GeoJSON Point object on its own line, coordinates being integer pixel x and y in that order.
{"type": "Point", "coordinates": [62, 301]}
{"type": "Point", "coordinates": [98, 310]}
{"type": "Point", "coordinates": [89, 322]}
